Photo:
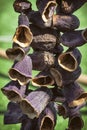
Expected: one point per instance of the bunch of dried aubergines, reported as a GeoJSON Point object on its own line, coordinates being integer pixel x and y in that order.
{"type": "Point", "coordinates": [46, 31]}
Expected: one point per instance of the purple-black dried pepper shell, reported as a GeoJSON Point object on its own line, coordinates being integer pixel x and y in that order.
{"type": "Point", "coordinates": [33, 18]}
{"type": "Point", "coordinates": [44, 39]}
{"type": "Point", "coordinates": [57, 95]}
{"type": "Point", "coordinates": [23, 20]}
{"type": "Point", "coordinates": [42, 60]}
{"type": "Point", "coordinates": [69, 6]}
{"type": "Point", "coordinates": [70, 59]}
{"type": "Point", "coordinates": [75, 122]}
{"type": "Point", "coordinates": [63, 77]}
{"type": "Point", "coordinates": [13, 114]}
{"type": "Point", "coordinates": [82, 98]}
{"type": "Point", "coordinates": [22, 71]}
{"type": "Point", "coordinates": [36, 101]}
{"type": "Point", "coordinates": [14, 91]}
{"type": "Point", "coordinates": [43, 78]}
{"type": "Point", "coordinates": [74, 38]}
{"type": "Point", "coordinates": [17, 52]}
{"type": "Point", "coordinates": [65, 111]}
{"type": "Point", "coordinates": [65, 22]}
{"type": "Point", "coordinates": [23, 35]}
{"type": "Point", "coordinates": [29, 124]}
{"type": "Point", "coordinates": [46, 8]}
{"type": "Point", "coordinates": [22, 6]}
{"type": "Point", "coordinates": [72, 92]}
{"type": "Point", "coordinates": [47, 119]}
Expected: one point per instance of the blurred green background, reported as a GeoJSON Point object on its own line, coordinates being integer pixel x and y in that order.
{"type": "Point", "coordinates": [8, 24]}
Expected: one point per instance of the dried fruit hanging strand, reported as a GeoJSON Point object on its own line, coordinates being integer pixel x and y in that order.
{"type": "Point", "coordinates": [56, 81]}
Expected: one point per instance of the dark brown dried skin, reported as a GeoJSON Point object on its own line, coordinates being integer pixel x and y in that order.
{"type": "Point", "coordinates": [36, 102]}
{"type": "Point", "coordinates": [42, 60]}
{"type": "Point", "coordinates": [57, 94]}
{"type": "Point", "coordinates": [22, 6]}
{"type": "Point", "coordinates": [33, 18]}
{"type": "Point", "coordinates": [63, 77]}
{"type": "Point", "coordinates": [75, 122]}
{"type": "Point", "coordinates": [13, 114]}
{"type": "Point", "coordinates": [45, 39]}
{"type": "Point", "coordinates": [79, 100]}
{"type": "Point", "coordinates": [65, 22]}
{"type": "Point", "coordinates": [46, 8]}
{"type": "Point", "coordinates": [70, 59]}
{"type": "Point", "coordinates": [23, 36]}
{"type": "Point", "coordinates": [69, 6]}
{"type": "Point", "coordinates": [74, 38]}
{"type": "Point", "coordinates": [16, 52]}
{"type": "Point", "coordinates": [72, 92]}
{"type": "Point", "coordinates": [29, 124]}
{"type": "Point", "coordinates": [26, 124]}
{"type": "Point", "coordinates": [44, 78]}
{"type": "Point", "coordinates": [65, 111]}
{"type": "Point", "coordinates": [47, 119]}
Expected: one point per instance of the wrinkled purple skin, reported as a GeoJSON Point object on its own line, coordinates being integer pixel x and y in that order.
{"type": "Point", "coordinates": [14, 91]}
{"type": "Point", "coordinates": [65, 22]}
{"type": "Point", "coordinates": [65, 111]}
{"type": "Point", "coordinates": [48, 111]}
{"type": "Point", "coordinates": [70, 59]}
{"type": "Point", "coordinates": [57, 94]}
{"type": "Point", "coordinates": [24, 67]}
{"type": "Point", "coordinates": [25, 49]}
{"type": "Point", "coordinates": [76, 53]}
{"type": "Point", "coordinates": [13, 114]}
{"type": "Point", "coordinates": [22, 6]}
{"type": "Point", "coordinates": [70, 6]}
{"type": "Point", "coordinates": [75, 122]}
{"type": "Point", "coordinates": [72, 91]}
{"type": "Point", "coordinates": [42, 4]}
{"type": "Point", "coordinates": [29, 124]}
{"type": "Point", "coordinates": [23, 20]}
{"type": "Point", "coordinates": [33, 18]}
{"type": "Point", "coordinates": [66, 76]}
{"type": "Point", "coordinates": [42, 60]}
{"type": "Point", "coordinates": [70, 76]}
{"type": "Point", "coordinates": [17, 52]}
{"type": "Point", "coordinates": [43, 78]}
{"type": "Point", "coordinates": [35, 100]}
{"type": "Point", "coordinates": [44, 39]}
{"type": "Point", "coordinates": [73, 39]}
